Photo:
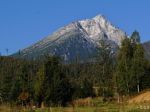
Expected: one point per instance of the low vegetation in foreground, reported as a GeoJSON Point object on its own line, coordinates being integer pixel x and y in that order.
{"type": "Point", "coordinates": [95, 105]}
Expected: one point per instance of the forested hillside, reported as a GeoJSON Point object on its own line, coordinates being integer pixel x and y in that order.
{"type": "Point", "coordinates": [54, 83]}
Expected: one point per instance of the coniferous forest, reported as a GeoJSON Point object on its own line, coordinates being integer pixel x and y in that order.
{"type": "Point", "coordinates": [54, 83]}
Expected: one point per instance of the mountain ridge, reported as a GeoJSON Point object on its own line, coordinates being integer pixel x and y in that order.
{"type": "Point", "coordinates": [79, 38]}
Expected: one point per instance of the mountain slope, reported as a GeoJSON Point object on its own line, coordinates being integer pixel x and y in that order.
{"type": "Point", "coordinates": [146, 46]}
{"type": "Point", "coordinates": [78, 39]}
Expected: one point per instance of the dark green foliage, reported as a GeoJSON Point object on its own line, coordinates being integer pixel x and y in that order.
{"type": "Point", "coordinates": [123, 76]}
{"type": "Point", "coordinates": [135, 37]}
{"type": "Point", "coordinates": [16, 76]}
{"type": "Point", "coordinates": [130, 66]}
{"type": "Point", "coordinates": [51, 85]}
{"type": "Point", "coordinates": [87, 89]}
{"type": "Point", "coordinates": [138, 69]}
{"type": "Point", "coordinates": [39, 86]}
{"type": "Point", "coordinates": [107, 92]}
{"type": "Point", "coordinates": [145, 79]}
{"type": "Point", "coordinates": [106, 66]}
{"type": "Point", "coordinates": [55, 84]}
{"type": "Point", "coordinates": [83, 89]}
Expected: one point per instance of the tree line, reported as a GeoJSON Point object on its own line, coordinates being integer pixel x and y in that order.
{"type": "Point", "coordinates": [54, 83]}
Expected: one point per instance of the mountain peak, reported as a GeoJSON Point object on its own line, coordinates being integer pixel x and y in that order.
{"type": "Point", "coordinates": [99, 17]}
{"type": "Point", "coordinates": [80, 38]}
{"type": "Point", "coordinates": [99, 27]}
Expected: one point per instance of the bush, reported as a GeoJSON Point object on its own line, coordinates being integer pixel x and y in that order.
{"type": "Point", "coordinates": [106, 93]}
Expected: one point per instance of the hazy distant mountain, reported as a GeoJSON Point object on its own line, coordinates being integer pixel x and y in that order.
{"type": "Point", "coordinates": [146, 46]}
{"type": "Point", "coordinates": [78, 39]}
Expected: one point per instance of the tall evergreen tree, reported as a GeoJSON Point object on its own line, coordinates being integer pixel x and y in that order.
{"type": "Point", "coordinates": [105, 65]}
{"type": "Point", "coordinates": [51, 85]}
{"type": "Point", "coordinates": [39, 86]}
{"type": "Point", "coordinates": [135, 37]}
{"type": "Point", "coordinates": [130, 64]}
{"type": "Point", "coordinates": [123, 76]}
{"type": "Point", "coordinates": [137, 68]}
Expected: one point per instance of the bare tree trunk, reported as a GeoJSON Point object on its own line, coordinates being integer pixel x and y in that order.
{"type": "Point", "coordinates": [103, 82]}
{"type": "Point", "coordinates": [138, 88]}
{"type": "Point", "coordinates": [128, 90]}
{"type": "Point", "coordinates": [118, 98]}
{"type": "Point", "coordinates": [138, 85]}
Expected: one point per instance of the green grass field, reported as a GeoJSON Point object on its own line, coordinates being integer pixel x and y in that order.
{"type": "Point", "coordinates": [96, 105]}
{"type": "Point", "coordinates": [106, 107]}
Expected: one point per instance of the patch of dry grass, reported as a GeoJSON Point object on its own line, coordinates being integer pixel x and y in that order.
{"type": "Point", "coordinates": [141, 98]}
{"type": "Point", "coordinates": [86, 105]}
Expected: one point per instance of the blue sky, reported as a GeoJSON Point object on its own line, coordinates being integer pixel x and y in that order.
{"type": "Point", "coordinates": [24, 22]}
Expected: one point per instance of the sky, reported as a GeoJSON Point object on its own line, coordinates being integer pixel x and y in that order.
{"type": "Point", "coordinates": [24, 22]}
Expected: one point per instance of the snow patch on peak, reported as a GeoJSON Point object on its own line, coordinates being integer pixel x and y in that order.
{"type": "Point", "coordinates": [93, 29]}
{"type": "Point", "coordinates": [80, 37]}
{"type": "Point", "coordinates": [99, 18]}
{"type": "Point", "coordinates": [99, 26]}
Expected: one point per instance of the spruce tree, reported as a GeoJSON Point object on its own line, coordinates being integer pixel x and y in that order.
{"type": "Point", "coordinates": [137, 68]}
{"type": "Point", "coordinates": [135, 37]}
{"type": "Point", "coordinates": [51, 85]}
{"type": "Point", "coordinates": [123, 76]}
{"type": "Point", "coordinates": [39, 86]}
{"type": "Point", "coordinates": [105, 56]}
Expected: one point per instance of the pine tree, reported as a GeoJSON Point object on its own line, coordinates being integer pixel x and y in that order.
{"type": "Point", "coordinates": [137, 68]}
{"type": "Point", "coordinates": [39, 86]}
{"type": "Point", "coordinates": [123, 76]}
{"type": "Point", "coordinates": [51, 85]}
{"type": "Point", "coordinates": [105, 56]}
{"type": "Point", "coordinates": [58, 87]}
{"type": "Point", "coordinates": [135, 37]}
{"type": "Point", "coordinates": [130, 64]}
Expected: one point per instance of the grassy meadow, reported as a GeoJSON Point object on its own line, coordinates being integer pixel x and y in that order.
{"type": "Point", "coordinates": [103, 108]}
{"type": "Point", "coordinates": [95, 105]}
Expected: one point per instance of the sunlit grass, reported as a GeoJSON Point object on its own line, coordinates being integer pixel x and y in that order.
{"type": "Point", "coordinates": [97, 106]}
{"type": "Point", "coordinates": [107, 107]}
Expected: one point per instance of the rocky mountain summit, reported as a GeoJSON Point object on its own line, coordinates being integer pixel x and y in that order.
{"type": "Point", "coordinates": [78, 39]}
